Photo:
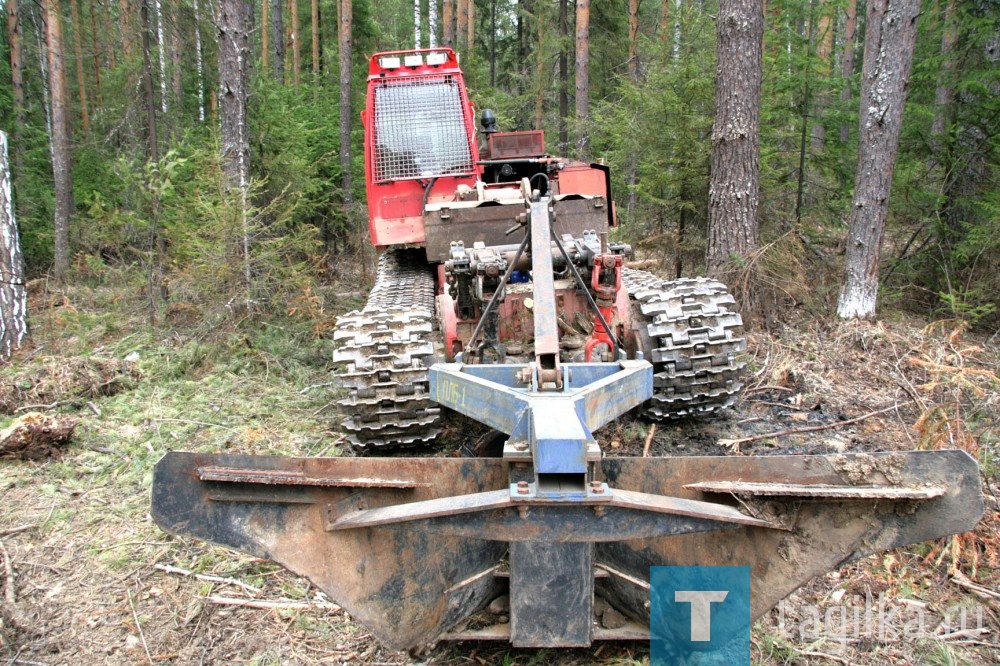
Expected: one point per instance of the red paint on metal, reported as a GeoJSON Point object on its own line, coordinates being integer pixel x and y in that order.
{"type": "Point", "coordinates": [395, 204]}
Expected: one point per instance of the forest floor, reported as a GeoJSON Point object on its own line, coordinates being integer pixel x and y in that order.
{"type": "Point", "coordinates": [88, 578]}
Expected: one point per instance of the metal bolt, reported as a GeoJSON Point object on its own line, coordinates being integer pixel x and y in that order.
{"type": "Point", "coordinates": [521, 446]}
{"type": "Point", "coordinates": [596, 487]}
{"type": "Point", "coordinates": [522, 511]}
{"type": "Point", "coordinates": [522, 488]}
{"type": "Point", "coordinates": [599, 511]}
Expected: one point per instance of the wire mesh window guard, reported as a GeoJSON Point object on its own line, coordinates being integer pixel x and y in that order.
{"type": "Point", "coordinates": [420, 129]}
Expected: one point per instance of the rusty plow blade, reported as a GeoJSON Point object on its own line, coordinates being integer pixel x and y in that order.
{"type": "Point", "coordinates": [415, 548]}
{"type": "Point", "coordinates": [411, 547]}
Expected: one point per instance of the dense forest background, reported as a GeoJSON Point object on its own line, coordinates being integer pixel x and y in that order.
{"type": "Point", "coordinates": [147, 206]}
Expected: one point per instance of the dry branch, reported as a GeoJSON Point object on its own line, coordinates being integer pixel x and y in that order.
{"type": "Point", "coordinates": [210, 579]}
{"type": "Point", "coordinates": [138, 626]}
{"type": "Point", "coordinates": [8, 575]}
{"type": "Point", "coordinates": [272, 605]}
{"type": "Point", "coordinates": [734, 444]}
{"type": "Point", "coordinates": [15, 530]}
{"type": "Point", "coordinates": [649, 440]}
{"type": "Point", "coordinates": [961, 580]}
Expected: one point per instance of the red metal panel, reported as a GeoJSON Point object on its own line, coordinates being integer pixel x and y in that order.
{"type": "Point", "coordinates": [512, 145]}
{"type": "Point", "coordinates": [582, 179]}
{"type": "Point", "coordinates": [395, 205]}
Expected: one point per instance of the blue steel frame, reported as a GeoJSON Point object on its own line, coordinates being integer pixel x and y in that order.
{"type": "Point", "coordinates": [555, 426]}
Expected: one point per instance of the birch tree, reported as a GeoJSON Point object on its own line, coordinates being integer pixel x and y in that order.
{"type": "Point", "coordinates": [416, 24]}
{"type": "Point", "coordinates": [734, 187]}
{"type": "Point", "coordinates": [890, 36]}
{"type": "Point", "coordinates": [161, 49]}
{"type": "Point", "coordinates": [200, 60]}
{"type": "Point", "coordinates": [13, 294]}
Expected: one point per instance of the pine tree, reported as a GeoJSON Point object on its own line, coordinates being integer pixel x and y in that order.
{"type": "Point", "coordinates": [733, 226]}
{"type": "Point", "coordinates": [62, 165]}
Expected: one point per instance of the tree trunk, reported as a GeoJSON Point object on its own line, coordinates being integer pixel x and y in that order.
{"type": "Point", "coordinates": [13, 294]}
{"type": "Point", "coordinates": [416, 24]}
{"type": "Point", "coordinates": [804, 107]}
{"type": "Point", "coordinates": [664, 21]}
{"type": "Point", "coordinates": [633, 39]}
{"type": "Point", "coordinates": [200, 59]}
{"type": "Point", "coordinates": [265, 33]}
{"type": "Point", "coordinates": [541, 76]}
{"type": "Point", "coordinates": [470, 29]}
{"type": "Point", "coordinates": [278, 38]}
{"type": "Point", "coordinates": [493, 42]}
{"type": "Point", "coordinates": [461, 22]}
{"type": "Point", "coordinates": [735, 165]}
{"type": "Point", "coordinates": [583, 79]}
{"type": "Point", "coordinates": [432, 24]}
{"type": "Point", "coordinates": [890, 36]}
{"type": "Point", "coordinates": [62, 167]}
{"type": "Point", "coordinates": [125, 17]}
{"type": "Point", "coordinates": [96, 45]}
{"type": "Point", "coordinates": [232, 20]}
{"type": "Point", "coordinates": [945, 94]}
{"type": "Point", "coordinates": [293, 7]}
{"type": "Point", "coordinates": [346, 44]}
{"type": "Point", "coordinates": [314, 17]}
{"type": "Point", "coordinates": [176, 44]}
{"type": "Point", "coordinates": [112, 43]}
{"type": "Point", "coordinates": [448, 19]}
{"type": "Point", "coordinates": [152, 150]}
{"type": "Point", "coordinates": [17, 80]}
{"type": "Point", "coordinates": [81, 81]}
{"type": "Point", "coordinates": [847, 61]}
{"type": "Point", "coordinates": [821, 97]}
{"type": "Point", "coordinates": [38, 21]}
{"type": "Point", "coordinates": [563, 76]}
{"type": "Point", "coordinates": [161, 51]}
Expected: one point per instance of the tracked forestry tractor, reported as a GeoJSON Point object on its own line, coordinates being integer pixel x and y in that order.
{"type": "Point", "coordinates": [500, 296]}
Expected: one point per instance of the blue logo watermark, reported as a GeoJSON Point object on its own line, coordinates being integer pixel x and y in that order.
{"type": "Point", "coordinates": [699, 616]}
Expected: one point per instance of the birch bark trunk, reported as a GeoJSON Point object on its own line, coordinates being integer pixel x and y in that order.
{"type": "Point", "coordinates": [890, 36]}
{"type": "Point", "coordinates": [13, 294]}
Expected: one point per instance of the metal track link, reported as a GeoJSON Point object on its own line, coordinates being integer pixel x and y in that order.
{"type": "Point", "coordinates": [384, 351]}
{"type": "Point", "coordinates": [692, 335]}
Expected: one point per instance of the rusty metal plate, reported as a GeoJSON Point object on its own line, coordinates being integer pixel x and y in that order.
{"type": "Point", "coordinates": [489, 223]}
{"type": "Point", "coordinates": [823, 534]}
{"type": "Point", "coordinates": [402, 585]}
{"type": "Point", "coordinates": [817, 490]}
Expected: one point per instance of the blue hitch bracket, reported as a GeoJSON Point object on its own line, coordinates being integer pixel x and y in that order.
{"type": "Point", "coordinates": [553, 430]}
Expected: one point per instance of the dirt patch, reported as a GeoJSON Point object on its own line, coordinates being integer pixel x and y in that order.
{"type": "Point", "coordinates": [50, 381]}
{"type": "Point", "coordinates": [35, 436]}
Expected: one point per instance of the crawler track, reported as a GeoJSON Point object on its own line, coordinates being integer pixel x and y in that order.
{"type": "Point", "coordinates": [692, 334]}
{"type": "Point", "coordinates": [689, 329]}
{"type": "Point", "coordinates": [384, 352]}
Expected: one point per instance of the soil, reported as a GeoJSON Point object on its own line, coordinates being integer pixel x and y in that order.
{"type": "Point", "coordinates": [80, 583]}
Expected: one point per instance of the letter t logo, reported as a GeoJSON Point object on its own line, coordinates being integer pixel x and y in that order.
{"type": "Point", "coordinates": [701, 610]}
